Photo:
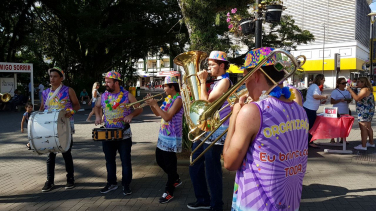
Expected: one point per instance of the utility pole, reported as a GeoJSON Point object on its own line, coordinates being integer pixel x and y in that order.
{"type": "Point", "coordinates": [258, 27]}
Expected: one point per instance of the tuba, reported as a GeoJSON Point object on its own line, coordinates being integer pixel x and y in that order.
{"type": "Point", "coordinates": [5, 97]}
{"type": "Point", "coordinates": [200, 113]}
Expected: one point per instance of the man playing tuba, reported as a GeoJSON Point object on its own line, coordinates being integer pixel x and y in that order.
{"type": "Point", "coordinates": [218, 65]}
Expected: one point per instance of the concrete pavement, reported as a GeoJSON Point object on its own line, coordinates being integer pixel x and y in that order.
{"type": "Point", "coordinates": [332, 182]}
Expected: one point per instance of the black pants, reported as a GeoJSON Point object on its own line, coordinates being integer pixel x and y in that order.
{"type": "Point", "coordinates": [168, 162]}
{"type": "Point", "coordinates": [311, 114]}
{"type": "Point", "coordinates": [68, 165]}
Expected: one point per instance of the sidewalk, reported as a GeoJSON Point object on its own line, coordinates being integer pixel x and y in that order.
{"type": "Point", "coordinates": [332, 182]}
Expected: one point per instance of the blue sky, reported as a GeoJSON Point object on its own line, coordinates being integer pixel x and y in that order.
{"type": "Point", "coordinates": [373, 7]}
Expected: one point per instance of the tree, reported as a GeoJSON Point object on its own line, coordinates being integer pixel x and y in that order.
{"type": "Point", "coordinates": [207, 28]}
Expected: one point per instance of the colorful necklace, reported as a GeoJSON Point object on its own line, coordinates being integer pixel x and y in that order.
{"type": "Point", "coordinates": [168, 102]}
{"type": "Point", "coordinates": [116, 103]}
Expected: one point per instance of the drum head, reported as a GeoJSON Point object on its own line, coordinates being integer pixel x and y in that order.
{"type": "Point", "coordinates": [64, 131]}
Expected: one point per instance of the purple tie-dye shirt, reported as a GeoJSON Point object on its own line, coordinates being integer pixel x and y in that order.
{"type": "Point", "coordinates": [115, 117]}
{"type": "Point", "coordinates": [60, 101]}
{"type": "Point", "coordinates": [170, 133]}
{"type": "Point", "coordinates": [222, 114]}
{"type": "Point", "coordinates": [271, 175]}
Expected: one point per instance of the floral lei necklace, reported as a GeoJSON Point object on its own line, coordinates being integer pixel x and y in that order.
{"type": "Point", "coordinates": [277, 92]}
{"type": "Point", "coordinates": [116, 103]}
{"type": "Point", "coordinates": [168, 102]}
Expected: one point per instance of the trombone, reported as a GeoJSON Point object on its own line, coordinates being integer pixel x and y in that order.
{"type": "Point", "coordinates": [202, 113]}
{"type": "Point", "coordinates": [133, 105]}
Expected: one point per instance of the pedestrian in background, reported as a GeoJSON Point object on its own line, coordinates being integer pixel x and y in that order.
{"type": "Point", "coordinates": [340, 98]}
{"type": "Point", "coordinates": [312, 103]}
{"type": "Point", "coordinates": [365, 108]}
{"type": "Point", "coordinates": [25, 119]}
{"type": "Point", "coordinates": [40, 91]}
{"type": "Point", "coordinates": [95, 96]}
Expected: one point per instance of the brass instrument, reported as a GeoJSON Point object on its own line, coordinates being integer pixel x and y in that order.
{"type": "Point", "coordinates": [202, 116]}
{"type": "Point", "coordinates": [128, 105]}
{"type": "Point", "coordinates": [5, 97]}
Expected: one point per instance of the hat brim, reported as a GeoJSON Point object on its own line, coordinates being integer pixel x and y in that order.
{"type": "Point", "coordinates": [49, 72]}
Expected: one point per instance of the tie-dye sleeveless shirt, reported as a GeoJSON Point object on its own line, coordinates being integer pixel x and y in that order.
{"type": "Point", "coordinates": [115, 118]}
{"type": "Point", "coordinates": [222, 114]}
{"type": "Point", "coordinates": [60, 101]}
{"type": "Point", "coordinates": [170, 133]}
{"type": "Point", "coordinates": [271, 175]}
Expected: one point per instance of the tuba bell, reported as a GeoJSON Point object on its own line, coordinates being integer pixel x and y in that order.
{"type": "Point", "coordinates": [200, 114]}
{"type": "Point", "coordinates": [5, 97]}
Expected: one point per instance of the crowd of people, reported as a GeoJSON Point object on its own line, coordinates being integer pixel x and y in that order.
{"type": "Point", "coordinates": [261, 133]}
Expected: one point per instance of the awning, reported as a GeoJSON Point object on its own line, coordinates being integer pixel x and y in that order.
{"type": "Point", "coordinates": [172, 73]}
{"type": "Point", "coordinates": [234, 69]}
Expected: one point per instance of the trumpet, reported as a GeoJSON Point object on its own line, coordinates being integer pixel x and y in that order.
{"type": "Point", "coordinates": [5, 97]}
{"type": "Point", "coordinates": [129, 105]}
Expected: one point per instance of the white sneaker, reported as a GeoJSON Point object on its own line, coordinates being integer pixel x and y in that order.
{"type": "Point", "coordinates": [370, 145]}
{"type": "Point", "coordinates": [360, 147]}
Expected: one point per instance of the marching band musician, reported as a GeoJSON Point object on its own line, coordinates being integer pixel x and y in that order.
{"type": "Point", "coordinates": [266, 142]}
{"type": "Point", "coordinates": [60, 96]}
{"type": "Point", "coordinates": [170, 134]}
{"type": "Point", "coordinates": [217, 64]}
{"type": "Point", "coordinates": [116, 116]}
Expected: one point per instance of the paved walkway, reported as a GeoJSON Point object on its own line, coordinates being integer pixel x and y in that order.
{"type": "Point", "coordinates": [332, 182]}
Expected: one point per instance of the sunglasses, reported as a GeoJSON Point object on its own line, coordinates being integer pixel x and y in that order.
{"type": "Point", "coordinates": [344, 83]}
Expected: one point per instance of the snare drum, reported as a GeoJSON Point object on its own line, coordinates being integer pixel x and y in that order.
{"type": "Point", "coordinates": [107, 134]}
{"type": "Point", "coordinates": [49, 131]}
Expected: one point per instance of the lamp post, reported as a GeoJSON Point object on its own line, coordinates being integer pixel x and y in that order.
{"type": "Point", "coordinates": [258, 26]}
{"type": "Point", "coordinates": [323, 50]}
{"type": "Point", "coordinates": [372, 14]}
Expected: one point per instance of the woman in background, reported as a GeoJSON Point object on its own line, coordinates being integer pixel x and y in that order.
{"type": "Point", "coordinates": [312, 102]}
{"type": "Point", "coordinates": [340, 98]}
{"type": "Point", "coordinates": [95, 95]}
{"type": "Point", "coordinates": [365, 107]}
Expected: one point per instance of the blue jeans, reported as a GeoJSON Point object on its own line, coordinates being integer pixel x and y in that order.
{"type": "Point", "coordinates": [110, 149]}
{"type": "Point", "coordinates": [208, 170]}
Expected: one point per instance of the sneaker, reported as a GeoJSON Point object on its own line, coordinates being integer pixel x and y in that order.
{"type": "Point", "coordinates": [177, 183]}
{"type": "Point", "coordinates": [28, 147]}
{"type": "Point", "coordinates": [47, 186]}
{"type": "Point", "coordinates": [360, 147]}
{"type": "Point", "coordinates": [70, 184]}
{"type": "Point", "coordinates": [108, 188]}
{"type": "Point", "coordinates": [166, 197]}
{"type": "Point", "coordinates": [370, 145]}
{"type": "Point", "coordinates": [127, 191]}
{"type": "Point", "coordinates": [198, 206]}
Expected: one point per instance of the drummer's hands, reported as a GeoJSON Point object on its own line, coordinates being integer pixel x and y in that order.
{"type": "Point", "coordinates": [128, 119]}
{"type": "Point", "coordinates": [98, 121]}
{"type": "Point", "coordinates": [68, 114]}
{"type": "Point", "coordinates": [202, 76]}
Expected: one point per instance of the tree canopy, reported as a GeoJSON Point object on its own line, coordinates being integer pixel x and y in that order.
{"type": "Point", "coordinates": [89, 37]}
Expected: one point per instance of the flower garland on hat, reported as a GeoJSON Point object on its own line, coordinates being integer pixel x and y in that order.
{"type": "Point", "coordinates": [117, 102]}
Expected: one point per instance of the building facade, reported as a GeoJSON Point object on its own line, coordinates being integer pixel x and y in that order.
{"type": "Point", "coordinates": [339, 27]}
{"type": "Point", "coordinates": [153, 69]}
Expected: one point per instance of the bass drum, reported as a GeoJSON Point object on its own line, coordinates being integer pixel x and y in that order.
{"type": "Point", "coordinates": [49, 131]}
